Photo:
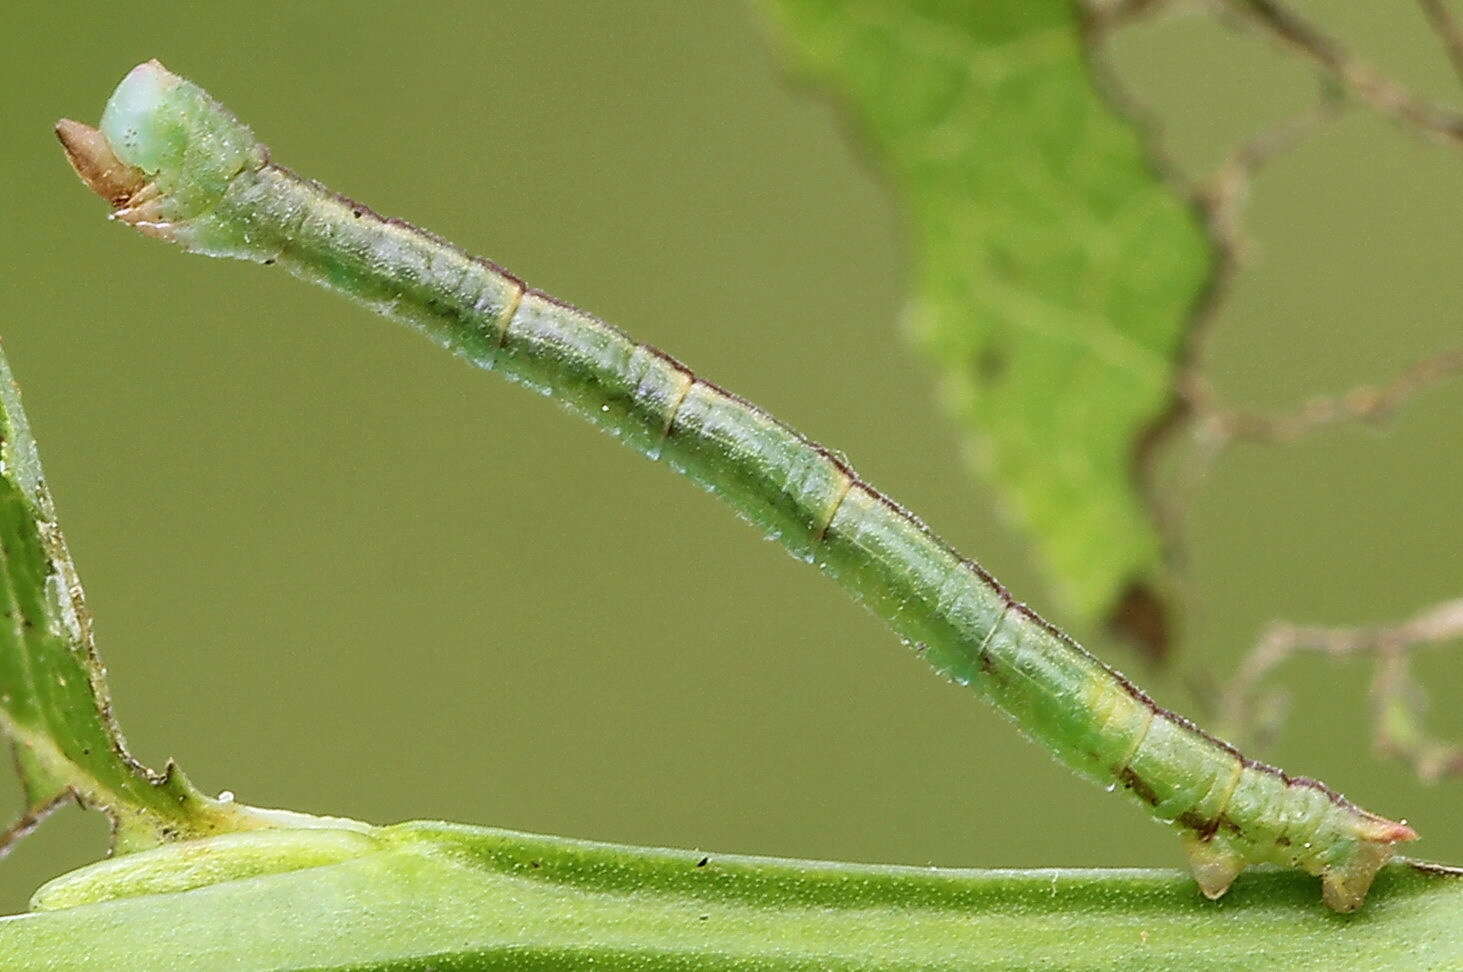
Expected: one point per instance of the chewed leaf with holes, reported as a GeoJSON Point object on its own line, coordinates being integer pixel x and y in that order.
{"type": "Point", "coordinates": [54, 705]}
{"type": "Point", "coordinates": [1055, 271]}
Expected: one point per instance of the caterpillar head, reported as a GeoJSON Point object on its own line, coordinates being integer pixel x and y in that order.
{"type": "Point", "coordinates": [165, 155]}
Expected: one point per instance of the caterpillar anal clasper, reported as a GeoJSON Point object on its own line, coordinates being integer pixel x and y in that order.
{"type": "Point", "coordinates": [177, 165]}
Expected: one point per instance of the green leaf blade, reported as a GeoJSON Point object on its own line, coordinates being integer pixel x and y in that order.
{"type": "Point", "coordinates": [52, 700]}
{"type": "Point", "coordinates": [460, 897]}
{"type": "Point", "coordinates": [54, 704]}
{"type": "Point", "coordinates": [1056, 272]}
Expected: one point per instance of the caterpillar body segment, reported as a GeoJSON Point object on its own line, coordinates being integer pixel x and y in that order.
{"type": "Point", "coordinates": [174, 163]}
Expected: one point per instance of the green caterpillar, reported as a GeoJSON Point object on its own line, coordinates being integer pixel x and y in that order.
{"type": "Point", "coordinates": [176, 165]}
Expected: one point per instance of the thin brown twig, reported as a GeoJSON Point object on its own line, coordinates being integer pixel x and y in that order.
{"type": "Point", "coordinates": [1220, 199]}
{"type": "Point", "coordinates": [1438, 623]}
{"type": "Point", "coordinates": [1356, 76]}
{"type": "Point", "coordinates": [30, 820]}
{"type": "Point", "coordinates": [1446, 26]}
{"type": "Point", "coordinates": [1362, 403]}
{"type": "Point", "coordinates": [1223, 193]}
{"type": "Point", "coordinates": [1397, 698]}
{"type": "Point", "coordinates": [1215, 428]}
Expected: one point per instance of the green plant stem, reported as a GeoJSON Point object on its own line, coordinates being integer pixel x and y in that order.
{"type": "Point", "coordinates": [446, 897]}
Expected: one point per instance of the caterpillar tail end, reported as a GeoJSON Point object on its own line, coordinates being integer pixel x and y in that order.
{"type": "Point", "coordinates": [1345, 883]}
{"type": "Point", "coordinates": [1345, 878]}
{"type": "Point", "coordinates": [1344, 887]}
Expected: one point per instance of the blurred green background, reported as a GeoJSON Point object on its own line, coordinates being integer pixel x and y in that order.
{"type": "Point", "coordinates": [336, 570]}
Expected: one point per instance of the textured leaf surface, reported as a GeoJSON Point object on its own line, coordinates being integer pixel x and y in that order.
{"type": "Point", "coordinates": [54, 704]}
{"type": "Point", "coordinates": [1054, 271]}
{"type": "Point", "coordinates": [447, 897]}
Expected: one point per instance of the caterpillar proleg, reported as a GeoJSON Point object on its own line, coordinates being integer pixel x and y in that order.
{"type": "Point", "coordinates": [176, 165]}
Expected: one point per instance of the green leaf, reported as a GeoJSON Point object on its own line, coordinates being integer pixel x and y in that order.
{"type": "Point", "coordinates": [1055, 271]}
{"type": "Point", "coordinates": [438, 896]}
{"type": "Point", "coordinates": [54, 703]}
